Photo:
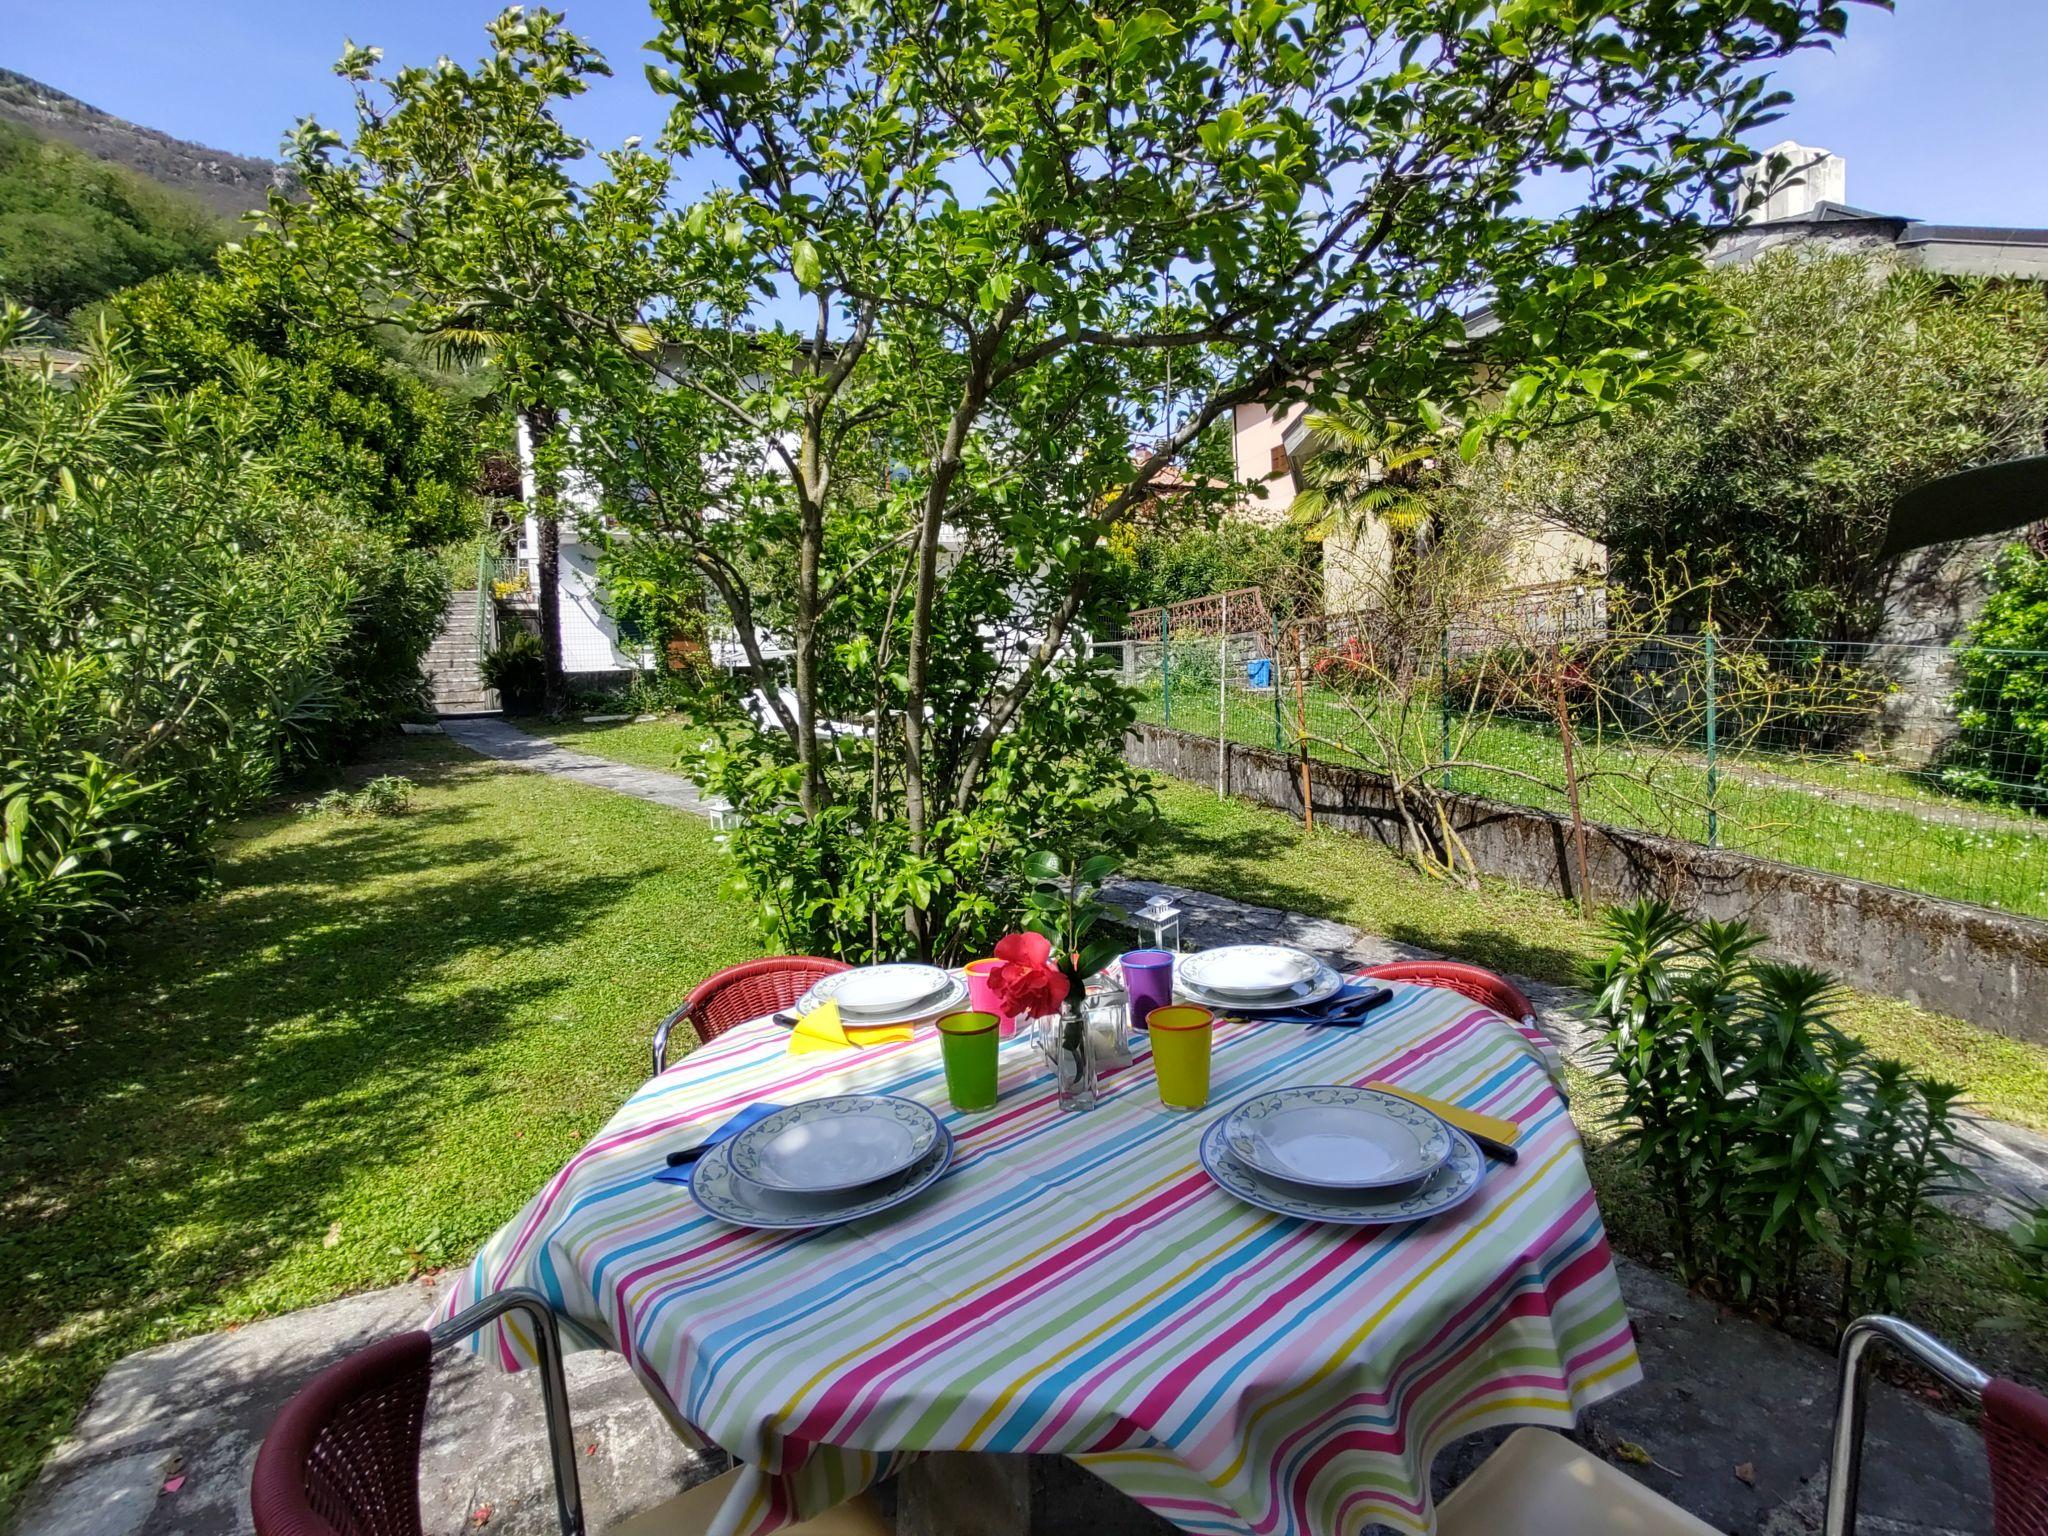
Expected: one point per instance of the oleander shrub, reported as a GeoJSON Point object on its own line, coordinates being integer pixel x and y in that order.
{"type": "Point", "coordinates": [1774, 1142]}
{"type": "Point", "coordinates": [177, 631]}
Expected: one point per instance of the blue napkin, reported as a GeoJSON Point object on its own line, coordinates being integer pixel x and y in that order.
{"type": "Point", "coordinates": [680, 1174]}
{"type": "Point", "coordinates": [1358, 997]}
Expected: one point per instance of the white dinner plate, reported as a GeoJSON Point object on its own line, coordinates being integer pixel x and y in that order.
{"type": "Point", "coordinates": [1337, 1137]}
{"type": "Point", "coordinates": [837, 1143]}
{"type": "Point", "coordinates": [1455, 1182]}
{"type": "Point", "coordinates": [725, 1195]}
{"type": "Point", "coordinates": [1249, 971]}
{"type": "Point", "coordinates": [877, 989]}
{"type": "Point", "coordinates": [1320, 988]}
{"type": "Point", "coordinates": [949, 996]}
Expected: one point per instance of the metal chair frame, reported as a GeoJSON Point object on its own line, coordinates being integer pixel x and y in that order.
{"type": "Point", "coordinates": [1845, 1456]}
{"type": "Point", "coordinates": [297, 1513]}
{"type": "Point", "coordinates": [554, 1387]}
{"type": "Point", "coordinates": [807, 967]}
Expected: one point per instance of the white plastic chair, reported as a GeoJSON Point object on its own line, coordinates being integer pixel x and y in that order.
{"type": "Point", "coordinates": [1540, 1484]}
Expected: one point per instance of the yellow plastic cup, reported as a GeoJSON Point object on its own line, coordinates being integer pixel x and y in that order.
{"type": "Point", "coordinates": [1181, 1038]}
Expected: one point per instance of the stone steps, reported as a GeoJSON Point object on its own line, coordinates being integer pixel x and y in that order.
{"type": "Point", "coordinates": [452, 666]}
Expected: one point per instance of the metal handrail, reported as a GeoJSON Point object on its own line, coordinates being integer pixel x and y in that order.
{"type": "Point", "coordinates": [1845, 1456]}
{"type": "Point", "coordinates": [486, 605]}
{"type": "Point", "coordinates": [554, 1388]}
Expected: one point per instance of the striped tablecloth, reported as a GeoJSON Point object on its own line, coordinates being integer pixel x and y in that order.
{"type": "Point", "coordinates": [1076, 1284]}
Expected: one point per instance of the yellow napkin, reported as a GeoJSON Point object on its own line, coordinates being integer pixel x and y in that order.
{"type": "Point", "coordinates": [1492, 1127]}
{"type": "Point", "coordinates": [821, 1030]}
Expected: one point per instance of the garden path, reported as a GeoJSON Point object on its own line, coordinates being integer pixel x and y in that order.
{"type": "Point", "coordinates": [490, 737]}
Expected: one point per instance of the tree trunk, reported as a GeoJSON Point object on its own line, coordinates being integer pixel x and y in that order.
{"type": "Point", "coordinates": [540, 423]}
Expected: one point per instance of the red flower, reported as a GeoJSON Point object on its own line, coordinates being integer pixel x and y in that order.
{"type": "Point", "coordinates": [1027, 983]}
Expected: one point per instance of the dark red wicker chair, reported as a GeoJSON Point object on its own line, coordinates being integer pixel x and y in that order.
{"type": "Point", "coordinates": [2014, 1424]}
{"type": "Point", "coordinates": [1479, 984]}
{"type": "Point", "coordinates": [1482, 986]}
{"type": "Point", "coordinates": [742, 992]}
{"type": "Point", "coordinates": [343, 1457]}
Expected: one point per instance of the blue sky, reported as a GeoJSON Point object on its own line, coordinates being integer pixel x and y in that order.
{"type": "Point", "coordinates": [1937, 107]}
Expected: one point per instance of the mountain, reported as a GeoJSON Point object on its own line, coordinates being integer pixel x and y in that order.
{"type": "Point", "coordinates": [229, 185]}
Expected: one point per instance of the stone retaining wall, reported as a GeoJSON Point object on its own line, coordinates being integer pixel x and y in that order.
{"type": "Point", "coordinates": [1988, 967]}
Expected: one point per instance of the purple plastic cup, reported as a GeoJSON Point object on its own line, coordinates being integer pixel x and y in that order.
{"type": "Point", "coordinates": [1148, 978]}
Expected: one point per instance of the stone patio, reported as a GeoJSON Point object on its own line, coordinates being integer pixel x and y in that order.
{"type": "Point", "coordinates": [1733, 1416]}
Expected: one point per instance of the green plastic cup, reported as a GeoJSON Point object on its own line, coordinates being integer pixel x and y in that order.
{"type": "Point", "coordinates": [1181, 1037]}
{"type": "Point", "coordinates": [967, 1045]}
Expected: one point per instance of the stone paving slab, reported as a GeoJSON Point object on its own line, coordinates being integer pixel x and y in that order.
{"type": "Point", "coordinates": [494, 738]}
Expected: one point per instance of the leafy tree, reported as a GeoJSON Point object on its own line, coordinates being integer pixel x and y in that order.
{"type": "Point", "coordinates": [907, 343]}
{"type": "Point", "coordinates": [73, 230]}
{"type": "Point", "coordinates": [1841, 381]}
{"type": "Point", "coordinates": [1150, 564]}
{"type": "Point", "coordinates": [336, 415]}
{"type": "Point", "coordinates": [459, 220]}
{"type": "Point", "coordinates": [2001, 748]}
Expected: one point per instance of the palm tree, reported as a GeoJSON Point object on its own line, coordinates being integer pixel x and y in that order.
{"type": "Point", "coordinates": [1361, 470]}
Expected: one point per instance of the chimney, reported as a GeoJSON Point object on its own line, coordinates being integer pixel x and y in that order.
{"type": "Point", "coordinates": [1813, 176]}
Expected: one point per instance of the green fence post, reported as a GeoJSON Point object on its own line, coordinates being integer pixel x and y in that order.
{"type": "Point", "coordinates": [1443, 707]}
{"type": "Point", "coordinates": [1165, 668]}
{"type": "Point", "coordinates": [1279, 736]}
{"type": "Point", "coordinates": [1713, 770]}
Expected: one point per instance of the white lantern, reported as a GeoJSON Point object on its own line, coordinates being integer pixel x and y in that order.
{"type": "Point", "coordinates": [723, 817]}
{"type": "Point", "coordinates": [1162, 917]}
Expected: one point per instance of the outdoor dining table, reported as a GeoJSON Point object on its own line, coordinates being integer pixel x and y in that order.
{"type": "Point", "coordinates": [1076, 1284]}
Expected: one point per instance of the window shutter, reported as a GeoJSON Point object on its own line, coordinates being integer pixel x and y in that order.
{"type": "Point", "coordinates": [1280, 464]}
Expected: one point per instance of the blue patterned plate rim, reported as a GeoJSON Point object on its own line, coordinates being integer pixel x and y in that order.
{"type": "Point", "coordinates": [1432, 1135]}
{"type": "Point", "coordinates": [1326, 985]}
{"type": "Point", "coordinates": [753, 1159]}
{"type": "Point", "coordinates": [725, 1195]}
{"type": "Point", "coordinates": [1451, 1185]}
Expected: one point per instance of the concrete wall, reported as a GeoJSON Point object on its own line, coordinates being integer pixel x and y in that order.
{"type": "Point", "coordinates": [1254, 433]}
{"type": "Point", "coordinates": [1988, 967]}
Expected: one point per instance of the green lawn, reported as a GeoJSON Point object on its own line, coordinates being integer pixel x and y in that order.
{"type": "Point", "coordinates": [2001, 863]}
{"type": "Point", "coordinates": [363, 1056]}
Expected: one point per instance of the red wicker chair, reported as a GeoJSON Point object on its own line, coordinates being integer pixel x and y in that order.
{"type": "Point", "coordinates": [1479, 984]}
{"type": "Point", "coordinates": [742, 992]}
{"type": "Point", "coordinates": [1482, 986]}
{"type": "Point", "coordinates": [343, 1457]}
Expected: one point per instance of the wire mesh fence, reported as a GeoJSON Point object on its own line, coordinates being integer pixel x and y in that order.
{"type": "Point", "coordinates": [1847, 758]}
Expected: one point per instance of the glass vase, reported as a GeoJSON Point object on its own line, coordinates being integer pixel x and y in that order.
{"type": "Point", "coordinates": [1073, 1056]}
